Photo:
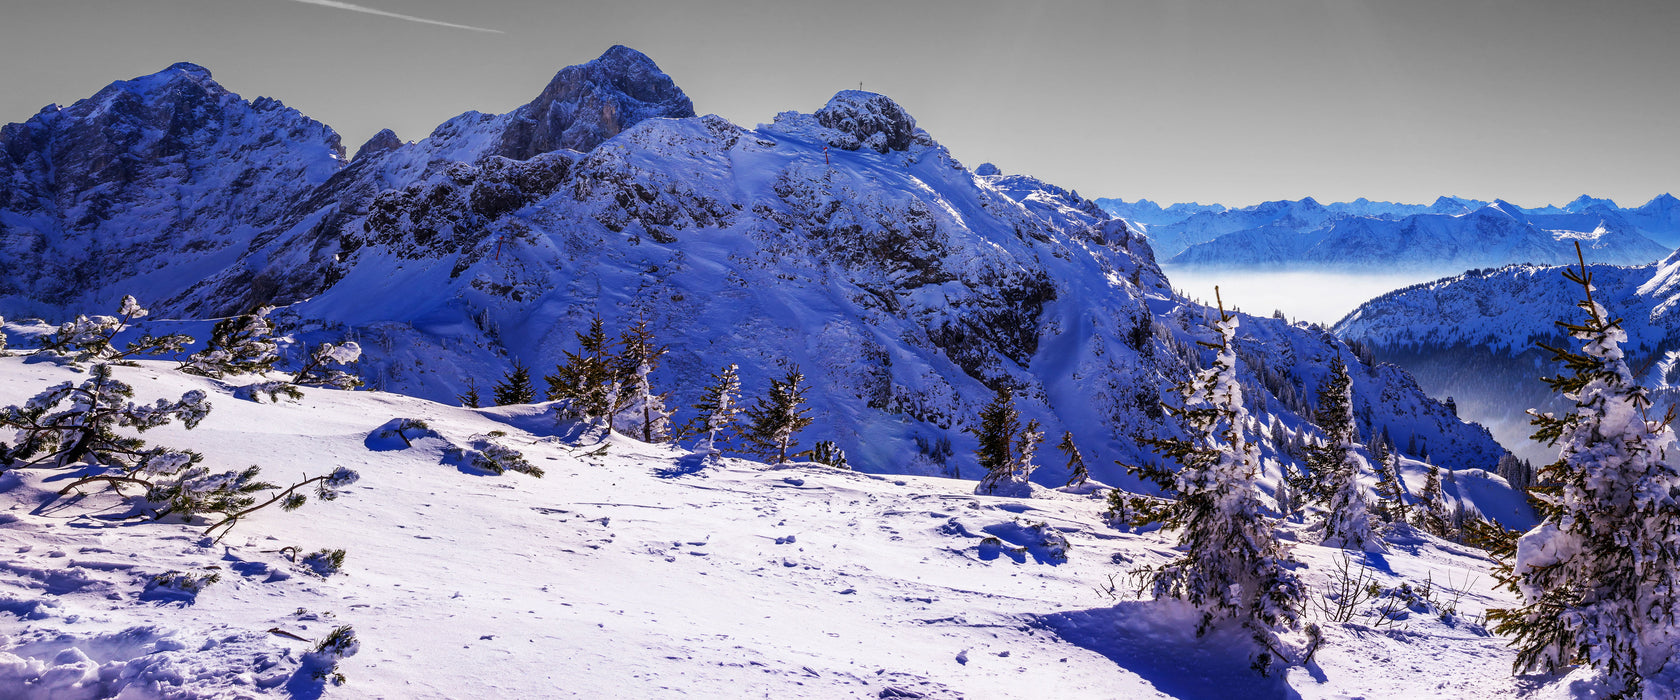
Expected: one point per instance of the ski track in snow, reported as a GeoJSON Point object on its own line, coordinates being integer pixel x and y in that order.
{"type": "Point", "coordinates": [640, 572]}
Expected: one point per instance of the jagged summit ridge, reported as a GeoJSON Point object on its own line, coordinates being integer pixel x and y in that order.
{"type": "Point", "coordinates": [589, 103]}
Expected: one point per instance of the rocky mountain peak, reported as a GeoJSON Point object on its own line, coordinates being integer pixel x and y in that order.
{"type": "Point", "coordinates": [587, 104]}
{"type": "Point", "coordinates": [383, 142]}
{"type": "Point", "coordinates": [870, 119]}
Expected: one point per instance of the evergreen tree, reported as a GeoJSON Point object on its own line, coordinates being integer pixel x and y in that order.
{"type": "Point", "coordinates": [1337, 464]}
{"type": "Point", "coordinates": [1005, 447]}
{"type": "Point", "coordinates": [240, 345]}
{"type": "Point", "coordinates": [1077, 472]}
{"type": "Point", "coordinates": [89, 339]}
{"type": "Point", "coordinates": [470, 399]}
{"type": "Point", "coordinates": [642, 411]}
{"type": "Point", "coordinates": [515, 387]}
{"type": "Point", "coordinates": [1599, 579]}
{"type": "Point", "coordinates": [1233, 566]}
{"type": "Point", "coordinates": [774, 419]}
{"type": "Point", "coordinates": [2, 336]}
{"type": "Point", "coordinates": [825, 452]}
{"type": "Point", "coordinates": [319, 370]}
{"type": "Point", "coordinates": [1433, 515]}
{"type": "Point", "coordinates": [1516, 472]}
{"type": "Point", "coordinates": [589, 381]}
{"type": "Point", "coordinates": [1391, 502]}
{"type": "Point", "coordinates": [718, 407]}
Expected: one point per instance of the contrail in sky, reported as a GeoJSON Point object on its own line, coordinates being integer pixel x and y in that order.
{"type": "Point", "coordinates": [368, 10]}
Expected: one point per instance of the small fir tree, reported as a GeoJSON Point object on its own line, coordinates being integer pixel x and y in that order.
{"type": "Point", "coordinates": [470, 398]}
{"type": "Point", "coordinates": [1004, 449]}
{"type": "Point", "coordinates": [718, 407]}
{"type": "Point", "coordinates": [589, 380]}
{"type": "Point", "coordinates": [1598, 581]}
{"type": "Point", "coordinates": [515, 387]}
{"type": "Point", "coordinates": [1391, 501]}
{"type": "Point", "coordinates": [1078, 474]}
{"type": "Point", "coordinates": [1433, 514]}
{"type": "Point", "coordinates": [642, 411]}
{"type": "Point", "coordinates": [1233, 567]}
{"type": "Point", "coordinates": [774, 419]}
{"type": "Point", "coordinates": [1337, 464]}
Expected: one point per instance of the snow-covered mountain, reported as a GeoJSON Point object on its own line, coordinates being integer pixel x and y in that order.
{"type": "Point", "coordinates": [1448, 236]}
{"type": "Point", "coordinates": [150, 185]}
{"type": "Point", "coordinates": [846, 241]}
{"type": "Point", "coordinates": [1497, 234]}
{"type": "Point", "coordinates": [1475, 336]}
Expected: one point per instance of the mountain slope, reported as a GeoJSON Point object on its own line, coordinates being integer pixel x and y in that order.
{"type": "Point", "coordinates": [1475, 336]}
{"type": "Point", "coordinates": [150, 184]}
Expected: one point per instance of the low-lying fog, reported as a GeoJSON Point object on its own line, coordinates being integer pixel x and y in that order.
{"type": "Point", "coordinates": [1318, 297]}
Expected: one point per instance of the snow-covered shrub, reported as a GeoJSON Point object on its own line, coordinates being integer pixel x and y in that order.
{"type": "Point", "coordinates": [319, 370]}
{"type": "Point", "coordinates": [825, 452]}
{"type": "Point", "coordinates": [239, 345]}
{"type": "Point", "coordinates": [321, 662]}
{"type": "Point", "coordinates": [1598, 581]}
{"type": "Point", "coordinates": [274, 390]}
{"type": "Point", "coordinates": [1129, 511]}
{"type": "Point", "coordinates": [178, 585]}
{"type": "Point", "coordinates": [325, 562]}
{"type": "Point", "coordinates": [406, 429]}
{"type": "Point", "coordinates": [89, 338]}
{"type": "Point", "coordinates": [73, 423]}
{"type": "Point", "coordinates": [488, 455]}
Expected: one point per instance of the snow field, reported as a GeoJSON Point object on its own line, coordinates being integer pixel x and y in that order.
{"type": "Point", "coordinates": [641, 571]}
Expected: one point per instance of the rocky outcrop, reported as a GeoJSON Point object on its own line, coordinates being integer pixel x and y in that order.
{"type": "Point", "coordinates": [590, 103]}
{"type": "Point", "coordinates": [867, 120]}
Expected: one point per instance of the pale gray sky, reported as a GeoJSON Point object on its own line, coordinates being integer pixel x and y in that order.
{"type": "Point", "coordinates": [1234, 101]}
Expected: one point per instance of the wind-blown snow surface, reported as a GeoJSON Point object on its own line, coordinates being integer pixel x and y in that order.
{"type": "Point", "coordinates": [638, 571]}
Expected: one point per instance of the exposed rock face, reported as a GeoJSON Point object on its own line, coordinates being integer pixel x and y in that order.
{"type": "Point", "coordinates": [383, 142]}
{"type": "Point", "coordinates": [870, 120]}
{"type": "Point", "coordinates": [587, 104]}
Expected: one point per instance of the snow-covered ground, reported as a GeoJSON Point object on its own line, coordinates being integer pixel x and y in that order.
{"type": "Point", "coordinates": [637, 570]}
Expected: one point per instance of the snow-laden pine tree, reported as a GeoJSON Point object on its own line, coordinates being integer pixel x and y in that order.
{"type": "Point", "coordinates": [1338, 464]}
{"type": "Point", "coordinates": [641, 411]}
{"type": "Point", "coordinates": [2, 336]}
{"type": "Point", "coordinates": [718, 407]}
{"type": "Point", "coordinates": [319, 369]}
{"type": "Point", "coordinates": [1005, 448]}
{"type": "Point", "coordinates": [1233, 567]}
{"type": "Point", "coordinates": [1433, 514]}
{"type": "Point", "coordinates": [1599, 578]}
{"type": "Point", "coordinates": [239, 345]}
{"type": "Point", "coordinates": [92, 338]}
{"type": "Point", "coordinates": [775, 418]}
{"type": "Point", "coordinates": [1391, 502]}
